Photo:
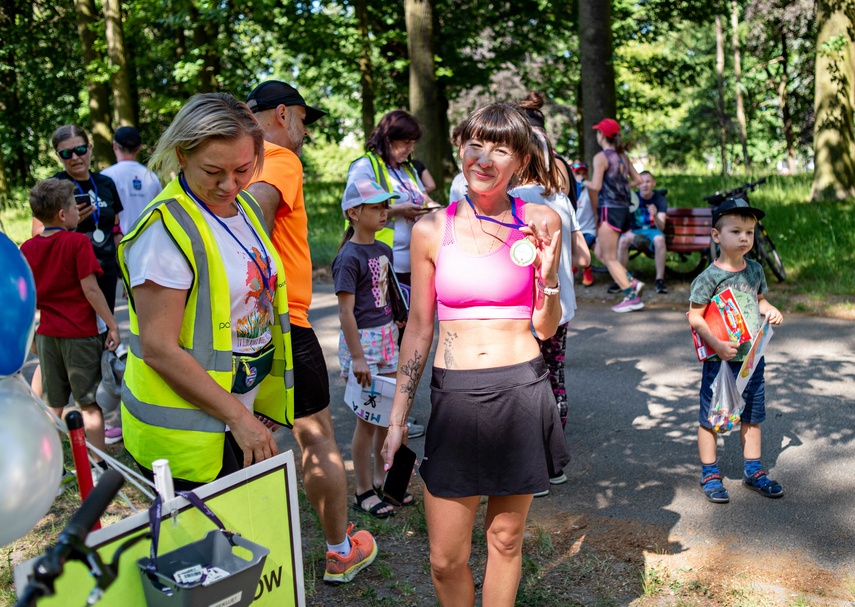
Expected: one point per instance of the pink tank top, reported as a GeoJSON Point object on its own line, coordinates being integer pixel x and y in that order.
{"type": "Point", "coordinates": [490, 286]}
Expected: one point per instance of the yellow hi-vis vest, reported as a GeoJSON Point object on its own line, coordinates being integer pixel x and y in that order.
{"type": "Point", "coordinates": [158, 423]}
{"type": "Point", "coordinates": [381, 176]}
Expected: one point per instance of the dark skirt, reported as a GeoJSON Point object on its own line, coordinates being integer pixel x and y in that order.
{"type": "Point", "coordinates": [493, 432]}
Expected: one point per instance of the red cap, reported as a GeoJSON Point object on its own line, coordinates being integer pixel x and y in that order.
{"type": "Point", "coordinates": [608, 127]}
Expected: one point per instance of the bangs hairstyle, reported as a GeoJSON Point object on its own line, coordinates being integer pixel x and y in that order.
{"type": "Point", "coordinates": [499, 123]}
{"type": "Point", "coordinates": [397, 125]}
{"type": "Point", "coordinates": [50, 196]}
{"type": "Point", "coordinates": [65, 132]}
{"type": "Point", "coordinates": [206, 117]}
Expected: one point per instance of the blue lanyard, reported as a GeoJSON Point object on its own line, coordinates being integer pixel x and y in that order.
{"type": "Point", "coordinates": [514, 226]}
{"type": "Point", "coordinates": [404, 185]}
{"type": "Point", "coordinates": [265, 278]}
{"type": "Point", "coordinates": [97, 212]}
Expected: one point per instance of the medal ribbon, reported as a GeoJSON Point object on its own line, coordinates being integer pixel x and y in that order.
{"type": "Point", "coordinates": [514, 226]}
{"type": "Point", "coordinates": [265, 278]}
{"type": "Point", "coordinates": [97, 213]}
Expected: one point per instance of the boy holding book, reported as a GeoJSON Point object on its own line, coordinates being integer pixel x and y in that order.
{"type": "Point", "coordinates": [67, 295]}
{"type": "Point", "coordinates": [733, 230]}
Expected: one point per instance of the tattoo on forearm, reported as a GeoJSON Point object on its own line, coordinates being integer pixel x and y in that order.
{"type": "Point", "coordinates": [448, 343]}
{"type": "Point", "coordinates": [413, 370]}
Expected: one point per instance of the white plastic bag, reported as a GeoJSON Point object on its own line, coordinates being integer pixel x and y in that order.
{"type": "Point", "coordinates": [727, 403]}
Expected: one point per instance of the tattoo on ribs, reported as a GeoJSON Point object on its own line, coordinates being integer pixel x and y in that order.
{"type": "Point", "coordinates": [449, 347]}
{"type": "Point", "coordinates": [413, 370]}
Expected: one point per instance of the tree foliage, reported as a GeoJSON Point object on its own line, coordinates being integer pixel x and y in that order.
{"type": "Point", "coordinates": [483, 50]}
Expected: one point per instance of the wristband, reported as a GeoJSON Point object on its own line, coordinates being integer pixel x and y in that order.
{"type": "Point", "coordinates": [548, 290]}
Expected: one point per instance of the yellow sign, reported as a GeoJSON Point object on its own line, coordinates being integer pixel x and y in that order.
{"type": "Point", "coordinates": [259, 502]}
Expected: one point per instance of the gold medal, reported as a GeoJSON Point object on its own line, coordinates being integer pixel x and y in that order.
{"type": "Point", "coordinates": [523, 252]}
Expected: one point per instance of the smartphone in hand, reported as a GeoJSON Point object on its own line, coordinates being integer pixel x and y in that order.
{"type": "Point", "coordinates": [397, 479]}
{"type": "Point", "coordinates": [82, 199]}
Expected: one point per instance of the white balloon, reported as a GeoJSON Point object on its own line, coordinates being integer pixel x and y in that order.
{"type": "Point", "coordinates": [30, 460]}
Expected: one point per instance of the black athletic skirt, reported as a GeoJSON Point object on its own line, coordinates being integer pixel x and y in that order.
{"type": "Point", "coordinates": [493, 432]}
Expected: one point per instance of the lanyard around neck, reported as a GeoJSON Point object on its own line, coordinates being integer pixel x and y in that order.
{"type": "Point", "coordinates": [265, 278]}
{"type": "Point", "coordinates": [404, 185]}
{"type": "Point", "coordinates": [97, 213]}
{"type": "Point", "coordinates": [514, 226]}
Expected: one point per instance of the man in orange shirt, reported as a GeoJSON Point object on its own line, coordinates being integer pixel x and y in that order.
{"type": "Point", "coordinates": [284, 115]}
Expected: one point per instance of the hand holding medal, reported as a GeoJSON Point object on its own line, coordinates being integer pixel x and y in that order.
{"type": "Point", "coordinates": [542, 248]}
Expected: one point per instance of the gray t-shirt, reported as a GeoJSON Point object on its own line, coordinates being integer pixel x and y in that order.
{"type": "Point", "coordinates": [363, 269]}
{"type": "Point", "coordinates": [747, 284]}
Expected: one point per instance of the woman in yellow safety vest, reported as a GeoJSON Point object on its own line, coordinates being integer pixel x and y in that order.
{"type": "Point", "coordinates": [388, 162]}
{"type": "Point", "coordinates": [209, 370]}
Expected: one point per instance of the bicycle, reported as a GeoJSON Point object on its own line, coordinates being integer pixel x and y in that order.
{"type": "Point", "coordinates": [71, 545]}
{"type": "Point", "coordinates": [764, 251]}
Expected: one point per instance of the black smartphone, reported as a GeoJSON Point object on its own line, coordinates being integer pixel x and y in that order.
{"type": "Point", "coordinates": [398, 476]}
{"type": "Point", "coordinates": [83, 199]}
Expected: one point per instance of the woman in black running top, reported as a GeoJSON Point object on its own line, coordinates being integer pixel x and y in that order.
{"type": "Point", "coordinates": [613, 177]}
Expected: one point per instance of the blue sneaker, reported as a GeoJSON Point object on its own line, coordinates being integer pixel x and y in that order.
{"type": "Point", "coordinates": [763, 485]}
{"type": "Point", "coordinates": [714, 490]}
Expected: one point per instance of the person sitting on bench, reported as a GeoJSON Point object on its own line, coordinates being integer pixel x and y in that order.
{"type": "Point", "coordinates": [647, 228]}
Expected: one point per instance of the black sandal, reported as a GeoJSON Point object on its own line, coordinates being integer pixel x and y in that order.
{"type": "Point", "coordinates": [375, 509]}
{"type": "Point", "coordinates": [405, 503]}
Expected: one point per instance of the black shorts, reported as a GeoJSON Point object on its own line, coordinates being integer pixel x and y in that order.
{"type": "Point", "coordinates": [311, 382]}
{"type": "Point", "coordinates": [617, 218]}
{"type": "Point", "coordinates": [493, 432]}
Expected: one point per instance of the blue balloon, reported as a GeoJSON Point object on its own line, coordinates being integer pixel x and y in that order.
{"type": "Point", "coordinates": [18, 298]}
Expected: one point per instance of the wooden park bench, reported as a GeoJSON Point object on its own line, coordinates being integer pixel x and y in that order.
{"type": "Point", "coordinates": [687, 237]}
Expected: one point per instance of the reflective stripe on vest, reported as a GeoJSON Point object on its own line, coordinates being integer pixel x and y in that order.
{"type": "Point", "coordinates": [159, 422]}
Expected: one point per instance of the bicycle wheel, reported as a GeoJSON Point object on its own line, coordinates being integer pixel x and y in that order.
{"type": "Point", "coordinates": [766, 253]}
{"type": "Point", "coordinates": [685, 266]}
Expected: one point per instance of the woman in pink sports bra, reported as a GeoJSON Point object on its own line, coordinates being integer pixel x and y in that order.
{"type": "Point", "coordinates": [494, 428]}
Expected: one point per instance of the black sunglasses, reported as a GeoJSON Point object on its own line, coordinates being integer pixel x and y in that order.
{"type": "Point", "coordinates": [80, 150]}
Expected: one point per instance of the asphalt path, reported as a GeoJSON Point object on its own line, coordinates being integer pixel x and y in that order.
{"type": "Point", "coordinates": [632, 383]}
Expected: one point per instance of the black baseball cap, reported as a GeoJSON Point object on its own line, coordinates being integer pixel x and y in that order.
{"type": "Point", "coordinates": [127, 137]}
{"type": "Point", "coordinates": [268, 95]}
{"type": "Point", "coordinates": [735, 205]}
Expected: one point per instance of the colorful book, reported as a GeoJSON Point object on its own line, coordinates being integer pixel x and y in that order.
{"type": "Point", "coordinates": [725, 320]}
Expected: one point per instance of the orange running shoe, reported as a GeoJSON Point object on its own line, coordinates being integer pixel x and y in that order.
{"type": "Point", "coordinates": [363, 550]}
{"type": "Point", "coordinates": [588, 276]}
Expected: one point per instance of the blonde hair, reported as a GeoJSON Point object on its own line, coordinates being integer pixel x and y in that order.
{"type": "Point", "coordinates": [207, 116]}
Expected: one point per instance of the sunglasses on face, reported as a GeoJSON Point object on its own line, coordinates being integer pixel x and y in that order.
{"type": "Point", "coordinates": [80, 150]}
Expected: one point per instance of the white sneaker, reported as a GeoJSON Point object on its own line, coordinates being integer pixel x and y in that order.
{"type": "Point", "coordinates": [558, 480]}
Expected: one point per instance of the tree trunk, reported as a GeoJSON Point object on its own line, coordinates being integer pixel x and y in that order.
{"type": "Point", "coordinates": [99, 94]}
{"type": "Point", "coordinates": [366, 73]}
{"type": "Point", "coordinates": [580, 124]}
{"type": "Point", "coordinates": [423, 101]}
{"type": "Point", "coordinates": [834, 139]}
{"type": "Point", "coordinates": [205, 34]}
{"type": "Point", "coordinates": [598, 72]}
{"type": "Point", "coordinates": [786, 117]}
{"type": "Point", "coordinates": [123, 106]}
{"type": "Point", "coordinates": [719, 70]}
{"type": "Point", "coordinates": [737, 72]}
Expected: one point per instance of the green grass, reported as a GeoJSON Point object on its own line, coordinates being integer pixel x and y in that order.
{"type": "Point", "coordinates": [815, 240]}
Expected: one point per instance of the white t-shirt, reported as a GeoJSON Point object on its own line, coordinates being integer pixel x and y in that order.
{"type": "Point", "coordinates": [137, 187]}
{"type": "Point", "coordinates": [410, 191]}
{"type": "Point", "coordinates": [154, 256]}
{"type": "Point", "coordinates": [458, 189]}
{"type": "Point", "coordinates": [585, 214]}
{"type": "Point", "coordinates": [559, 203]}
